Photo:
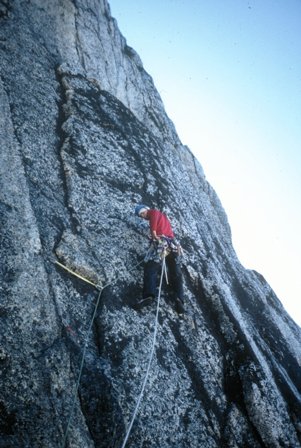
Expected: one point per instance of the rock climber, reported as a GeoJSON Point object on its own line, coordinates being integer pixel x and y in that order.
{"type": "Point", "coordinates": [162, 243]}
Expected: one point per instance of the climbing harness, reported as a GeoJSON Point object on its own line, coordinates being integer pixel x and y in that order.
{"type": "Point", "coordinates": [100, 289]}
{"type": "Point", "coordinates": [163, 270]}
{"type": "Point", "coordinates": [162, 247]}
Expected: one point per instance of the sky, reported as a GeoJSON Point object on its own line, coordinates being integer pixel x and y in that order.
{"type": "Point", "coordinates": [229, 74]}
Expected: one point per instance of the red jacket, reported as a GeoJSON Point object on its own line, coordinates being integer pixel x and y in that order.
{"type": "Point", "coordinates": [159, 223]}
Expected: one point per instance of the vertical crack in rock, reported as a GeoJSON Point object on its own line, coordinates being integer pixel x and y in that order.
{"type": "Point", "coordinates": [78, 46]}
{"type": "Point", "coordinates": [63, 139]}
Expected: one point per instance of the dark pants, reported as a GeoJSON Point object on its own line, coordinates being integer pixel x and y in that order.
{"type": "Point", "coordinates": [152, 270]}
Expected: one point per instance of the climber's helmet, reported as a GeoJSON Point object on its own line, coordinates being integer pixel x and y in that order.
{"type": "Point", "coordinates": [140, 209]}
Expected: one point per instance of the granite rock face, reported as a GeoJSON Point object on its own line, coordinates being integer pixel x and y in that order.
{"type": "Point", "coordinates": [84, 137]}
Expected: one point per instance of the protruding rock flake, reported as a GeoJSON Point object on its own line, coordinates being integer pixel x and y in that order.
{"type": "Point", "coordinates": [84, 137]}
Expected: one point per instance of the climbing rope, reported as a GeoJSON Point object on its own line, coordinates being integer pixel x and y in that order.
{"type": "Point", "coordinates": [163, 271]}
{"type": "Point", "coordinates": [77, 275]}
{"type": "Point", "coordinates": [101, 289]}
{"type": "Point", "coordinates": [81, 366]}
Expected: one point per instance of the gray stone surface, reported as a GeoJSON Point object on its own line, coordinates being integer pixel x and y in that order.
{"type": "Point", "coordinates": [84, 137]}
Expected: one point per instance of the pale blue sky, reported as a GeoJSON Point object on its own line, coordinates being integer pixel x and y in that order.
{"type": "Point", "coordinates": [229, 73]}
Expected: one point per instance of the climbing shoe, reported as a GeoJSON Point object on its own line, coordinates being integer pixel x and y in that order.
{"type": "Point", "coordinates": [179, 306]}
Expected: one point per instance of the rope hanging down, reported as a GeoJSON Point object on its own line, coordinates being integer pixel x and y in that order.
{"type": "Point", "coordinates": [87, 336]}
{"type": "Point", "coordinates": [82, 365]}
{"type": "Point", "coordinates": [77, 275]}
{"type": "Point", "coordinates": [150, 357]}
